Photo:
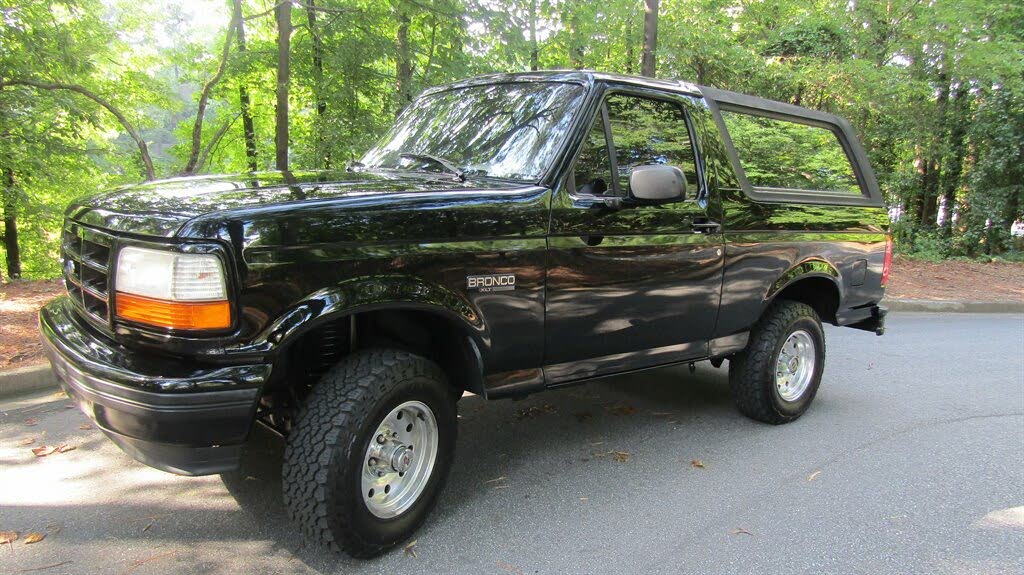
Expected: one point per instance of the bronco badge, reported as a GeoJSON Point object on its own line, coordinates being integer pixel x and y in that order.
{"type": "Point", "coordinates": [491, 282]}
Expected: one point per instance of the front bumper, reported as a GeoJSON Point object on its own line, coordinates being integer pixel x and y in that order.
{"type": "Point", "coordinates": [171, 414]}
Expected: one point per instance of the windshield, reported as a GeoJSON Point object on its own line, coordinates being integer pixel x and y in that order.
{"type": "Point", "coordinates": [501, 130]}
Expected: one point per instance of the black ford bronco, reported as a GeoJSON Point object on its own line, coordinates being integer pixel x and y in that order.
{"type": "Point", "coordinates": [511, 233]}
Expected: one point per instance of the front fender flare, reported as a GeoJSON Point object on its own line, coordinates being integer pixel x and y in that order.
{"type": "Point", "coordinates": [370, 293]}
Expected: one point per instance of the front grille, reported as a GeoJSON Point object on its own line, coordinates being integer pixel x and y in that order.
{"type": "Point", "coordinates": [86, 260]}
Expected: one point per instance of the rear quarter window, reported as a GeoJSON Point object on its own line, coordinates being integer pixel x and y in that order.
{"type": "Point", "coordinates": [786, 156]}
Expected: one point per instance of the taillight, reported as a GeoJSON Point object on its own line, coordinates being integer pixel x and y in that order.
{"type": "Point", "coordinates": [888, 260]}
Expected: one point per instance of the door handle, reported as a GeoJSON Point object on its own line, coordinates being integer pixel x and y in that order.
{"type": "Point", "coordinates": [705, 226]}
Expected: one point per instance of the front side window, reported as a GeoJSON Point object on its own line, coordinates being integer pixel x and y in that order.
{"type": "Point", "coordinates": [647, 131]}
{"type": "Point", "coordinates": [785, 155]}
{"type": "Point", "coordinates": [511, 130]}
{"type": "Point", "coordinates": [593, 170]}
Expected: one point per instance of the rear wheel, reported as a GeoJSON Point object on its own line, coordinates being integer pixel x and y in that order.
{"type": "Point", "coordinates": [370, 451]}
{"type": "Point", "coordinates": [776, 377]}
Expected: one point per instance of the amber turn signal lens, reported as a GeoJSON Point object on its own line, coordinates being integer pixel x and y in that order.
{"type": "Point", "coordinates": [174, 314]}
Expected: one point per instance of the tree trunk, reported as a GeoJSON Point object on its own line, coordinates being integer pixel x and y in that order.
{"type": "Point", "coordinates": [954, 162]}
{"type": "Point", "coordinates": [403, 62]}
{"type": "Point", "coordinates": [11, 226]}
{"type": "Point", "coordinates": [648, 63]}
{"type": "Point", "coordinates": [284, 37]}
{"type": "Point", "coordinates": [629, 45]}
{"type": "Point", "coordinates": [575, 44]}
{"type": "Point", "coordinates": [147, 162]}
{"type": "Point", "coordinates": [244, 101]}
{"type": "Point", "coordinates": [204, 95]}
{"type": "Point", "coordinates": [318, 83]}
{"type": "Point", "coordinates": [534, 53]}
{"type": "Point", "coordinates": [930, 181]}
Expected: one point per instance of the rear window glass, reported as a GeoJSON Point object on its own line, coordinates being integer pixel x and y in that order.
{"type": "Point", "coordinates": [784, 155]}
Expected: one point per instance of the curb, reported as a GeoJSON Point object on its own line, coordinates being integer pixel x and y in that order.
{"type": "Point", "coordinates": [25, 380]}
{"type": "Point", "coordinates": [940, 306]}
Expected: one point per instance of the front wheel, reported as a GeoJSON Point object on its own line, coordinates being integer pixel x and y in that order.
{"type": "Point", "coordinates": [370, 451]}
{"type": "Point", "coordinates": [776, 377]}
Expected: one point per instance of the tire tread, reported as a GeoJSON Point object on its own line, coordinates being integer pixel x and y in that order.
{"type": "Point", "coordinates": [337, 409]}
{"type": "Point", "coordinates": [751, 372]}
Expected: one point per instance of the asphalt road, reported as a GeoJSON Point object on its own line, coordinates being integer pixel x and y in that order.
{"type": "Point", "coordinates": [911, 460]}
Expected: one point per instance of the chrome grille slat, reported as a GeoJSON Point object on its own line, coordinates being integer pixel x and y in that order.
{"type": "Point", "coordinates": [86, 264]}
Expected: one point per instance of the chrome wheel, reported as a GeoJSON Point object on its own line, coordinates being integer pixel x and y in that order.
{"type": "Point", "coordinates": [794, 368]}
{"type": "Point", "coordinates": [399, 459]}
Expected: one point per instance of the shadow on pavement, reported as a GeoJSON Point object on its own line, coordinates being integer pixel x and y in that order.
{"type": "Point", "coordinates": [524, 439]}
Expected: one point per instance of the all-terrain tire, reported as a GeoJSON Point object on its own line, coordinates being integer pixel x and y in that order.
{"type": "Point", "coordinates": [326, 448]}
{"type": "Point", "coordinates": [752, 372]}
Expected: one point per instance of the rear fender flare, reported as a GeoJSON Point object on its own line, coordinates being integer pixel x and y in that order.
{"type": "Point", "coordinates": [809, 268]}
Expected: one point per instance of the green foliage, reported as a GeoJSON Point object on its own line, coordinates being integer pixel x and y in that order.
{"type": "Point", "coordinates": [935, 90]}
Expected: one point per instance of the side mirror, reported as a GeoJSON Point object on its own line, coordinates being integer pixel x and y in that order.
{"type": "Point", "coordinates": [657, 183]}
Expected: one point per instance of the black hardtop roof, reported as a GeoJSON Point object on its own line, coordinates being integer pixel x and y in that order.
{"type": "Point", "coordinates": [590, 77]}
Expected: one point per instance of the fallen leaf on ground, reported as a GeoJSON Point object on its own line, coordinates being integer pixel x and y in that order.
{"type": "Point", "coordinates": [43, 568]}
{"type": "Point", "coordinates": [31, 421]}
{"type": "Point", "coordinates": [85, 426]}
{"type": "Point", "coordinates": [55, 528]}
{"type": "Point", "coordinates": [139, 562]}
{"type": "Point", "coordinates": [8, 536]}
{"type": "Point", "coordinates": [495, 480]}
{"type": "Point", "coordinates": [813, 476]}
{"type": "Point", "coordinates": [60, 394]}
{"type": "Point", "coordinates": [741, 531]}
{"type": "Point", "coordinates": [696, 464]}
{"type": "Point", "coordinates": [34, 538]}
{"type": "Point", "coordinates": [28, 441]}
{"type": "Point", "coordinates": [622, 409]}
{"type": "Point", "coordinates": [410, 549]}
{"type": "Point", "coordinates": [618, 456]}
{"type": "Point", "coordinates": [536, 411]}
{"type": "Point", "coordinates": [44, 450]}
{"type": "Point", "coordinates": [509, 568]}
{"type": "Point", "coordinates": [153, 519]}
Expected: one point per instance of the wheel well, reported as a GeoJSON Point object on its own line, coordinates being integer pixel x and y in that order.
{"type": "Point", "coordinates": [424, 333]}
{"type": "Point", "coordinates": [818, 292]}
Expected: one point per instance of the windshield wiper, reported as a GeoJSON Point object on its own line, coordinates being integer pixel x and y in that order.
{"type": "Point", "coordinates": [448, 165]}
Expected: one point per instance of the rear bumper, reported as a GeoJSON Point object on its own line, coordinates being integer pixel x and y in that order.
{"type": "Point", "coordinates": [168, 413]}
{"type": "Point", "coordinates": [869, 318]}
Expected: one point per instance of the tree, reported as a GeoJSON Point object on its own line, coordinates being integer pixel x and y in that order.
{"type": "Point", "coordinates": [244, 100]}
{"type": "Point", "coordinates": [283, 15]}
{"type": "Point", "coordinates": [11, 225]}
{"type": "Point", "coordinates": [648, 62]}
{"type": "Point", "coordinates": [403, 59]}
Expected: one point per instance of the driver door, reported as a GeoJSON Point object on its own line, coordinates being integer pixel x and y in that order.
{"type": "Point", "coordinates": [631, 284]}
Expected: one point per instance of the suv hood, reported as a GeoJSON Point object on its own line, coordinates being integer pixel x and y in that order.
{"type": "Point", "coordinates": [162, 207]}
